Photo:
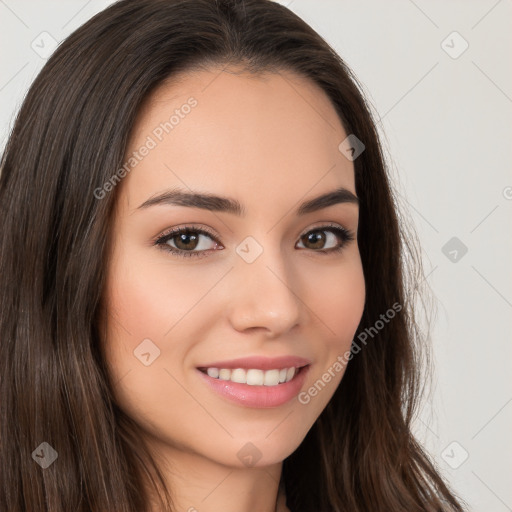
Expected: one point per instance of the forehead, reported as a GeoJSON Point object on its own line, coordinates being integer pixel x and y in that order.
{"type": "Point", "coordinates": [231, 132]}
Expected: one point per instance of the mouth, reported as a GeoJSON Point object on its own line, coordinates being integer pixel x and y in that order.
{"type": "Point", "coordinates": [254, 376]}
{"type": "Point", "coordinates": [256, 382]}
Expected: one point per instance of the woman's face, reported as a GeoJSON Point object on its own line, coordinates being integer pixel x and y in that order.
{"type": "Point", "coordinates": [256, 284]}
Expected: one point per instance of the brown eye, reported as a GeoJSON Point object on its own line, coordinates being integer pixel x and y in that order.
{"type": "Point", "coordinates": [316, 239]}
{"type": "Point", "coordinates": [187, 242]}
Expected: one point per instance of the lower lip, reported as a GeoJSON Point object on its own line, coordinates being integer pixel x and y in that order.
{"type": "Point", "coordinates": [258, 396]}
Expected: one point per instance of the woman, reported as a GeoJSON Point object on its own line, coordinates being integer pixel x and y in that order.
{"type": "Point", "coordinates": [272, 368]}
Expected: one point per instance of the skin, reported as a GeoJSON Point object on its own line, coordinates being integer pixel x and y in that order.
{"type": "Point", "coordinates": [271, 146]}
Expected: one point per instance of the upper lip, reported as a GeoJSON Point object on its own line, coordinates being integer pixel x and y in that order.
{"type": "Point", "coordinates": [260, 363]}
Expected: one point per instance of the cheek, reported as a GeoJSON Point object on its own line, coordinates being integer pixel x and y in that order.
{"type": "Point", "coordinates": [339, 306]}
{"type": "Point", "coordinates": [339, 310]}
{"type": "Point", "coordinates": [148, 298]}
{"type": "Point", "coordinates": [146, 305]}
{"type": "Point", "coordinates": [145, 302]}
{"type": "Point", "coordinates": [340, 302]}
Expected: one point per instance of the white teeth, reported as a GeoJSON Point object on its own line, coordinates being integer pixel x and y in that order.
{"type": "Point", "coordinates": [271, 378]}
{"type": "Point", "coordinates": [224, 374]}
{"type": "Point", "coordinates": [253, 377]}
{"type": "Point", "coordinates": [238, 375]}
{"type": "Point", "coordinates": [213, 372]}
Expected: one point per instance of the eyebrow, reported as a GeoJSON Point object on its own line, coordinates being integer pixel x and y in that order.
{"type": "Point", "coordinates": [214, 203]}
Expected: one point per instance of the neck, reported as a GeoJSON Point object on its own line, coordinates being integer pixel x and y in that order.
{"type": "Point", "coordinates": [200, 484]}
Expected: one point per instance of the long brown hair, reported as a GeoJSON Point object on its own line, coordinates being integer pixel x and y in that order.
{"type": "Point", "coordinates": [69, 138]}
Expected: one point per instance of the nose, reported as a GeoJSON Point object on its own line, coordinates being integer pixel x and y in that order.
{"type": "Point", "coordinates": [262, 296]}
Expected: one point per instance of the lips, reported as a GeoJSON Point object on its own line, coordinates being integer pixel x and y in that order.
{"type": "Point", "coordinates": [257, 381]}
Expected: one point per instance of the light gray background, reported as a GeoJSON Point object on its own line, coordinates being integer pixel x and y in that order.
{"type": "Point", "coordinates": [447, 125]}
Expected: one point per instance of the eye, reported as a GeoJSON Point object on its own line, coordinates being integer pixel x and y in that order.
{"type": "Point", "coordinates": [183, 241]}
{"type": "Point", "coordinates": [317, 238]}
{"type": "Point", "coordinates": [186, 241]}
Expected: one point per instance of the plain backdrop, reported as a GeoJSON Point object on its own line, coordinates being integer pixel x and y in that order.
{"type": "Point", "coordinates": [438, 77]}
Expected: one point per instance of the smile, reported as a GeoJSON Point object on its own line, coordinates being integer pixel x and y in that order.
{"type": "Point", "coordinates": [255, 387]}
{"type": "Point", "coordinates": [253, 376]}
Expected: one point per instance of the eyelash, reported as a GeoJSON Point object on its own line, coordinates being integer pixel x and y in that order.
{"type": "Point", "coordinates": [345, 235]}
